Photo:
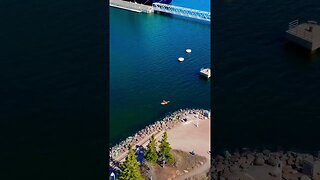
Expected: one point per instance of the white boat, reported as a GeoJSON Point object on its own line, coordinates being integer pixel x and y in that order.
{"type": "Point", "coordinates": [206, 72]}
{"type": "Point", "coordinates": [188, 50]}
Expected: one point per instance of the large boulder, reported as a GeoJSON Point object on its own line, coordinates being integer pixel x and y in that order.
{"type": "Point", "coordinates": [242, 160]}
{"type": "Point", "coordinates": [259, 155]}
{"type": "Point", "coordinates": [234, 159]}
{"type": "Point", "coordinates": [244, 165]}
{"type": "Point", "coordinates": [266, 152]}
{"type": "Point", "coordinates": [272, 161]}
{"type": "Point", "coordinates": [219, 158]}
{"type": "Point", "coordinates": [219, 167]}
{"type": "Point", "coordinates": [291, 161]}
{"type": "Point", "coordinates": [236, 154]}
{"type": "Point", "coordinates": [304, 177]}
{"type": "Point", "coordinates": [250, 157]}
{"type": "Point", "coordinates": [284, 158]}
{"type": "Point", "coordinates": [234, 168]}
{"type": "Point", "coordinates": [258, 161]}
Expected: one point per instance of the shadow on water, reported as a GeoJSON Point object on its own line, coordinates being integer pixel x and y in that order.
{"type": "Point", "coordinates": [300, 55]}
{"type": "Point", "coordinates": [182, 18]}
{"type": "Point", "coordinates": [204, 79]}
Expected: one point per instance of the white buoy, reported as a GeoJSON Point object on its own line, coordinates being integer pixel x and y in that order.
{"type": "Point", "coordinates": [180, 59]}
{"type": "Point", "coordinates": [188, 51]}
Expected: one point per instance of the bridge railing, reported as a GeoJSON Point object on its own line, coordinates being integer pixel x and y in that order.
{"type": "Point", "coordinates": [182, 11]}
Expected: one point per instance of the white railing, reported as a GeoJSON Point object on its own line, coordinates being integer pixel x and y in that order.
{"type": "Point", "coordinates": [293, 24]}
{"type": "Point", "coordinates": [186, 12]}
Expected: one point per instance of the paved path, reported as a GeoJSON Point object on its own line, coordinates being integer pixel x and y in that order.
{"type": "Point", "coordinates": [144, 142]}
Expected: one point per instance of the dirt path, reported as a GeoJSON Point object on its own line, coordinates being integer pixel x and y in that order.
{"type": "Point", "coordinates": [202, 169]}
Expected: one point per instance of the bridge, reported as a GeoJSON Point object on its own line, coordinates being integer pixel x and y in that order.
{"type": "Point", "coordinates": [181, 11]}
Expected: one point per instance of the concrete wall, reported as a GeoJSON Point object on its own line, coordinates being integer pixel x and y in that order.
{"type": "Point", "coordinates": [304, 43]}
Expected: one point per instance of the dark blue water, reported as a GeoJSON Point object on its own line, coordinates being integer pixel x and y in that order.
{"type": "Point", "coordinates": [266, 91]}
{"type": "Point", "coordinates": [144, 69]}
{"type": "Point", "coordinates": [53, 89]}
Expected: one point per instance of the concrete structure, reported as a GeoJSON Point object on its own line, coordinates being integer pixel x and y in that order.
{"type": "Point", "coordinates": [130, 6]}
{"type": "Point", "coordinates": [305, 34]}
{"type": "Point", "coordinates": [311, 168]}
{"type": "Point", "coordinates": [177, 10]}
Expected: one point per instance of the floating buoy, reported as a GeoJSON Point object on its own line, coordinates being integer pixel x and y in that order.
{"type": "Point", "coordinates": [188, 51]}
{"type": "Point", "coordinates": [180, 59]}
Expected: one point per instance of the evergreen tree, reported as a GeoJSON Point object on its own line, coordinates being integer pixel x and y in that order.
{"type": "Point", "coordinates": [130, 169]}
{"type": "Point", "coordinates": [165, 149]}
{"type": "Point", "coordinates": [151, 154]}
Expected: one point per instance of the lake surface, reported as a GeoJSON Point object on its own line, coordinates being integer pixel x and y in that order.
{"type": "Point", "coordinates": [266, 91]}
{"type": "Point", "coordinates": [144, 69]}
{"type": "Point", "coordinates": [53, 89]}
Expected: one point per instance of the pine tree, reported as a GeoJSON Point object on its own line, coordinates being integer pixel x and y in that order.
{"type": "Point", "coordinates": [130, 169]}
{"type": "Point", "coordinates": [165, 149]}
{"type": "Point", "coordinates": [151, 154]}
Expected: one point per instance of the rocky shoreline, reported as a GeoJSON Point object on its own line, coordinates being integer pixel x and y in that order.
{"type": "Point", "coordinates": [266, 165]}
{"type": "Point", "coordinates": [168, 122]}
